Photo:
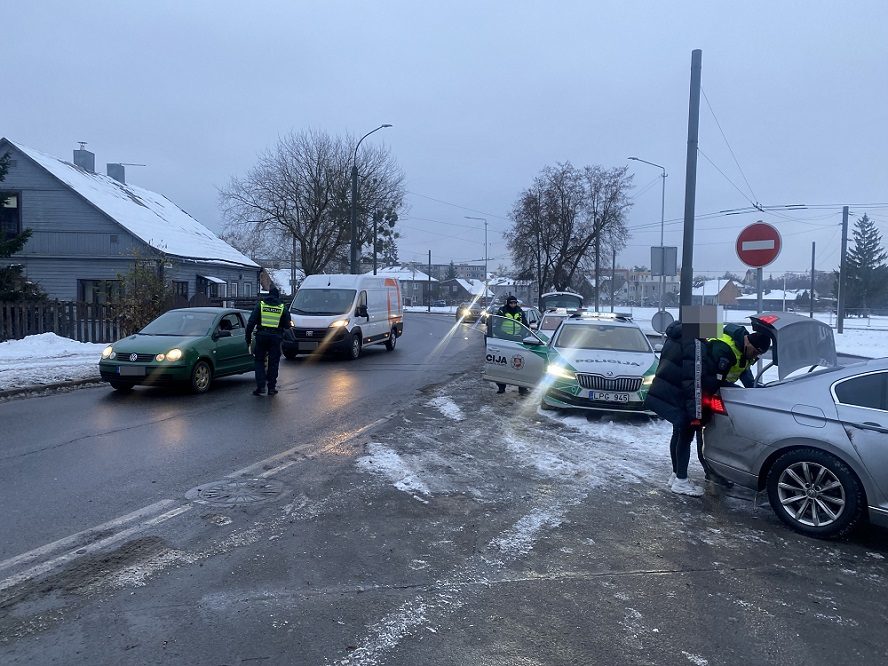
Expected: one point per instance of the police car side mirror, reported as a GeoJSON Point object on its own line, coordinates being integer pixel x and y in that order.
{"type": "Point", "coordinates": [658, 347]}
{"type": "Point", "coordinates": [531, 340]}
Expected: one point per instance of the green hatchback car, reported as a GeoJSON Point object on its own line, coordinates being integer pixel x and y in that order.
{"type": "Point", "coordinates": [189, 346]}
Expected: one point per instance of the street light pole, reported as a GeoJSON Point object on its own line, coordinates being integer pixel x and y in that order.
{"type": "Point", "coordinates": [484, 220]}
{"type": "Point", "coordinates": [662, 224]}
{"type": "Point", "coordinates": [353, 250]}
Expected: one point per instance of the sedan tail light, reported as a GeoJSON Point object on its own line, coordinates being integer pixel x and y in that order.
{"type": "Point", "coordinates": [715, 404]}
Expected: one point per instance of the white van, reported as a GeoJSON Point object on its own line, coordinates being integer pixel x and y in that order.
{"type": "Point", "coordinates": [344, 313]}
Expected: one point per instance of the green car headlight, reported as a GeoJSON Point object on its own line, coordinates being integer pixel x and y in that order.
{"type": "Point", "coordinates": [108, 352]}
{"type": "Point", "coordinates": [173, 355]}
{"type": "Point", "coordinates": [560, 371]}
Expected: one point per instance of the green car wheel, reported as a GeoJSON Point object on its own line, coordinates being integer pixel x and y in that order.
{"type": "Point", "coordinates": [201, 377]}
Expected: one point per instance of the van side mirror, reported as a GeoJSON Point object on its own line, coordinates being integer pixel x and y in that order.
{"type": "Point", "coordinates": [361, 311]}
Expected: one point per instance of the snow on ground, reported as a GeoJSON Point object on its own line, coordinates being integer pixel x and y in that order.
{"type": "Point", "coordinates": [47, 359]}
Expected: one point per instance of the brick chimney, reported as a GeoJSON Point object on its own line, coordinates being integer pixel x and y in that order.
{"type": "Point", "coordinates": [116, 171]}
{"type": "Point", "coordinates": [84, 159]}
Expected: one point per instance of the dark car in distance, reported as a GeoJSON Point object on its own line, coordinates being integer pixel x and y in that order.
{"type": "Point", "coordinates": [468, 312]}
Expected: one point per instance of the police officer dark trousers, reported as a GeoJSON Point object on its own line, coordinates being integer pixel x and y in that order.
{"type": "Point", "coordinates": [269, 319]}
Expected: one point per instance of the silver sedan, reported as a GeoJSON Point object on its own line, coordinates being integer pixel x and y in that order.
{"type": "Point", "coordinates": [817, 443]}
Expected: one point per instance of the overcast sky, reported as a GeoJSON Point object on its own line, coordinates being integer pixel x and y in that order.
{"type": "Point", "coordinates": [481, 96]}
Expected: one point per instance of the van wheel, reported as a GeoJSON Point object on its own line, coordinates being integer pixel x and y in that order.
{"type": "Point", "coordinates": [392, 340]}
{"type": "Point", "coordinates": [354, 351]}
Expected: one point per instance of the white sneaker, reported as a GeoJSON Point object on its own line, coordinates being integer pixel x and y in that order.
{"type": "Point", "coordinates": [685, 487]}
{"type": "Point", "coordinates": [671, 480]}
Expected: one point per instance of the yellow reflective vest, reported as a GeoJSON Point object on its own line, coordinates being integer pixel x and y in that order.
{"type": "Point", "coordinates": [512, 323]}
{"type": "Point", "coordinates": [739, 366]}
{"type": "Point", "coordinates": [270, 315]}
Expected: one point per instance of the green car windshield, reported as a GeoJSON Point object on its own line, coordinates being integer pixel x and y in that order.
{"type": "Point", "coordinates": [323, 301]}
{"type": "Point", "coordinates": [597, 336]}
{"type": "Point", "coordinates": [177, 322]}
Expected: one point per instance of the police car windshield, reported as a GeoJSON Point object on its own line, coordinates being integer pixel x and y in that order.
{"type": "Point", "coordinates": [602, 336]}
{"type": "Point", "coordinates": [323, 301]}
{"type": "Point", "coordinates": [550, 322]}
{"type": "Point", "coordinates": [180, 323]}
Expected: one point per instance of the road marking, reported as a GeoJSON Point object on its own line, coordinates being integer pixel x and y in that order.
{"type": "Point", "coordinates": [258, 468]}
{"type": "Point", "coordinates": [40, 569]}
{"type": "Point", "coordinates": [66, 542]}
{"type": "Point", "coordinates": [757, 245]}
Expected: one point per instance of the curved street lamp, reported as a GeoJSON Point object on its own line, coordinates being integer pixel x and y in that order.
{"type": "Point", "coordinates": [354, 203]}
{"type": "Point", "coordinates": [662, 215]}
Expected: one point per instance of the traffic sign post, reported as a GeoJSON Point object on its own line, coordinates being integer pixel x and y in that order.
{"type": "Point", "coordinates": [757, 246]}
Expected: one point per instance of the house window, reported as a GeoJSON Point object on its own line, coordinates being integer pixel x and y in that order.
{"type": "Point", "coordinates": [180, 288]}
{"type": "Point", "coordinates": [248, 289]}
{"type": "Point", "coordinates": [232, 289]}
{"type": "Point", "coordinates": [10, 215]}
{"type": "Point", "coordinates": [98, 292]}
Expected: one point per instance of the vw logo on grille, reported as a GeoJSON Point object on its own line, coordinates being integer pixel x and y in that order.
{"type": "Point", "coordinates": [309, 333]}
{"type": "Point", "coordinates": [133, 357]}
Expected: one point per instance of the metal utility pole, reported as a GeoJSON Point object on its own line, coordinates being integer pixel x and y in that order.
{"type": "Point", "coordinates": [430, 281]}
{"type": "Point", "coordinates": [687, 250]}
{"type": "Point", "coordinates": [613, 276]}
{"type": "Point", "coordinates": [597, 267]}
{"type": "Point", "coordinates": [811, 293]}
{"type": "Point", "coordinates": [843, 267]}
{"type": "Point", "coordinates": [353, 249]}
{"type": "Point", "coordinates": [662, 225]}
{"type": "Point", "coordinates": [484, 220]}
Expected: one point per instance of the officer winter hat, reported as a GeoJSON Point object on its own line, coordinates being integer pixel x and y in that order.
{"type": "Point", "coordinates": [761, 341]}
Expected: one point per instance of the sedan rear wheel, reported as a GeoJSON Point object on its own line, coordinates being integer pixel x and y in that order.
{"type": "Point", "coordinates": [201, 377]}
{"type": "Point", "coordinates": [815, 493]}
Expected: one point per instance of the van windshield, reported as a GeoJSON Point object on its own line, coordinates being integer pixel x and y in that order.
{"type": "Point", "coordinates": [322, 301]}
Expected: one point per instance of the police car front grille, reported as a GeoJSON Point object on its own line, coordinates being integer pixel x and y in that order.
{"type": "Point", "coordinates": [619, 384]}
{"type": "Point", "coordinates": [140, 358]}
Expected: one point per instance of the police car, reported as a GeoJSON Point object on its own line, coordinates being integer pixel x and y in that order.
{"type": "Point", "coordinates": [593, 361]}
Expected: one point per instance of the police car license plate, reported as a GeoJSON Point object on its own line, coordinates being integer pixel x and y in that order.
{"type": "Point", "coordinates": [606, 396]}
{"type": "Point", "coordinates": [131, 371]}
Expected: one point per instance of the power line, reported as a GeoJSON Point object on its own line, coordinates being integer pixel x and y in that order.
{"type": "Point", "coordinates": [727, 143]}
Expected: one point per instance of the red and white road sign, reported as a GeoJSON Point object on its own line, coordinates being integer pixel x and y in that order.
{"type": "Point", "coordinates": [758, 245]}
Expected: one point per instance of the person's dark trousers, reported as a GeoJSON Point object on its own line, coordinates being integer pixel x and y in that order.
{"type": "Point", "coordinates": [501, 388]}
{"type": "Point", "coordinates": [680, 449]}
{"type": "Point", "coordinates": [267, 346]}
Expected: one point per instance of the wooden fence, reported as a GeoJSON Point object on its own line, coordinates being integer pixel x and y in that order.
{"type": "Point", "coordinates": [86, 322]}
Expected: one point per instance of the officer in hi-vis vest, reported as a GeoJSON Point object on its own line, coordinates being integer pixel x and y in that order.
{"type": "Point", "coordinates": [270, 317]}
{"type": "Point", "coordinates": [511, 326]}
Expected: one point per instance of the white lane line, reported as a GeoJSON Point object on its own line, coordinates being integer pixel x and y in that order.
{"type": "Point", "coordinates": [40, 569]}
{"type": "Point", "coordinates": [258, 467]}
{"type": "Point", "coordinates": [66, 542]}
{"type": "Point", "coordinates": [275, 470]}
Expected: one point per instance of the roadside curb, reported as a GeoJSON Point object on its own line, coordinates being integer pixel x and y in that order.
{"type": "Point", "coordinates": [48, 388]}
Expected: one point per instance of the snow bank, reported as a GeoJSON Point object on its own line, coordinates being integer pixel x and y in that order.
{"type": "Point", "coordinates": [47, 359]}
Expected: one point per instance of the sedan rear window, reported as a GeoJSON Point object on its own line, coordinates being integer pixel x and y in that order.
{"type": "Point", "coordinates": [598, 336]}
{"type": "Point", "coordinates": [865, 391]}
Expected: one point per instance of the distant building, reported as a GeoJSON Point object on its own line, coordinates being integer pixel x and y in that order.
{"type": "Point", "coordinates": [459, 290]}
{"type": "Point", "coordinates": [417, 287]}
{"type": "Point", "coordinates": [716, 292]}
{"type": "Point", "coordinates": [777, 300]}
{"type": "Point", "coordinates": [464, 271]}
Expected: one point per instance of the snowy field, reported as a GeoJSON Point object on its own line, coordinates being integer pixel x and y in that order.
{"type": "Point", "coordinates": [49, 359]}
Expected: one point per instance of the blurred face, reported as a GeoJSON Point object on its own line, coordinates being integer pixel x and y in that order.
{"type": "Point", "coordinates": [512, 303]}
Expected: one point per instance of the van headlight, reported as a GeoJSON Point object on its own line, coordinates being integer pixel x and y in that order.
{"type": "Point", "coordinates": [108, 352]}
{"type": "Point", "coordinates": [339, 323]}
{"type": "Point", "coordinates": [560, 371]}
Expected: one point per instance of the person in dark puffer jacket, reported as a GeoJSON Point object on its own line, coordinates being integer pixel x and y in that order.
{"type": "Point", "coordinates": [689, 369]}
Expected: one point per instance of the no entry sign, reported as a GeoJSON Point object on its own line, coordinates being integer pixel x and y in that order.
{"type": "Point", "coordinates": [758, 245]}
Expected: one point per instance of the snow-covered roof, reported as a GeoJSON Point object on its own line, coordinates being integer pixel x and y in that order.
{"type": "Point", "coordinates": [281, 277]}
{"type": "Point", "coordinates": [147, 215]}
{"type": "Point", "coordinates": [711, 287]}
{"type": "Point", "coordinates": [503, 281]}
{"type": "Point", "coordinates": [776, 295]}
{"type": "Point", "coordinates": [403, 273]}
{"type": "Point", "coordinates": [474, 287]}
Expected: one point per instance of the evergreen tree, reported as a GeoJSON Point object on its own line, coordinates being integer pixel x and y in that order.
{"type": "Point", "coordinates": [866, 270]}
{"type": "Point", "coordinates": [451, 271]}
{"type": "Point", "coordinates": [13, 285]}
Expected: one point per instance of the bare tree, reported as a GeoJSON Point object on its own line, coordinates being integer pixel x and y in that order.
{"type": "Point", "coordinates": [564, 220]}
{"type": "Point", "coordinates": [300, 189]}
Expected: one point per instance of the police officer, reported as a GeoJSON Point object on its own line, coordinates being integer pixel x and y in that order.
{"type": "Point", "coordinates": [511, 325]}
{"type": "Point", "coordinates": [270, 317]}
{"type": "Point", "coordinates": [735, 351]}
